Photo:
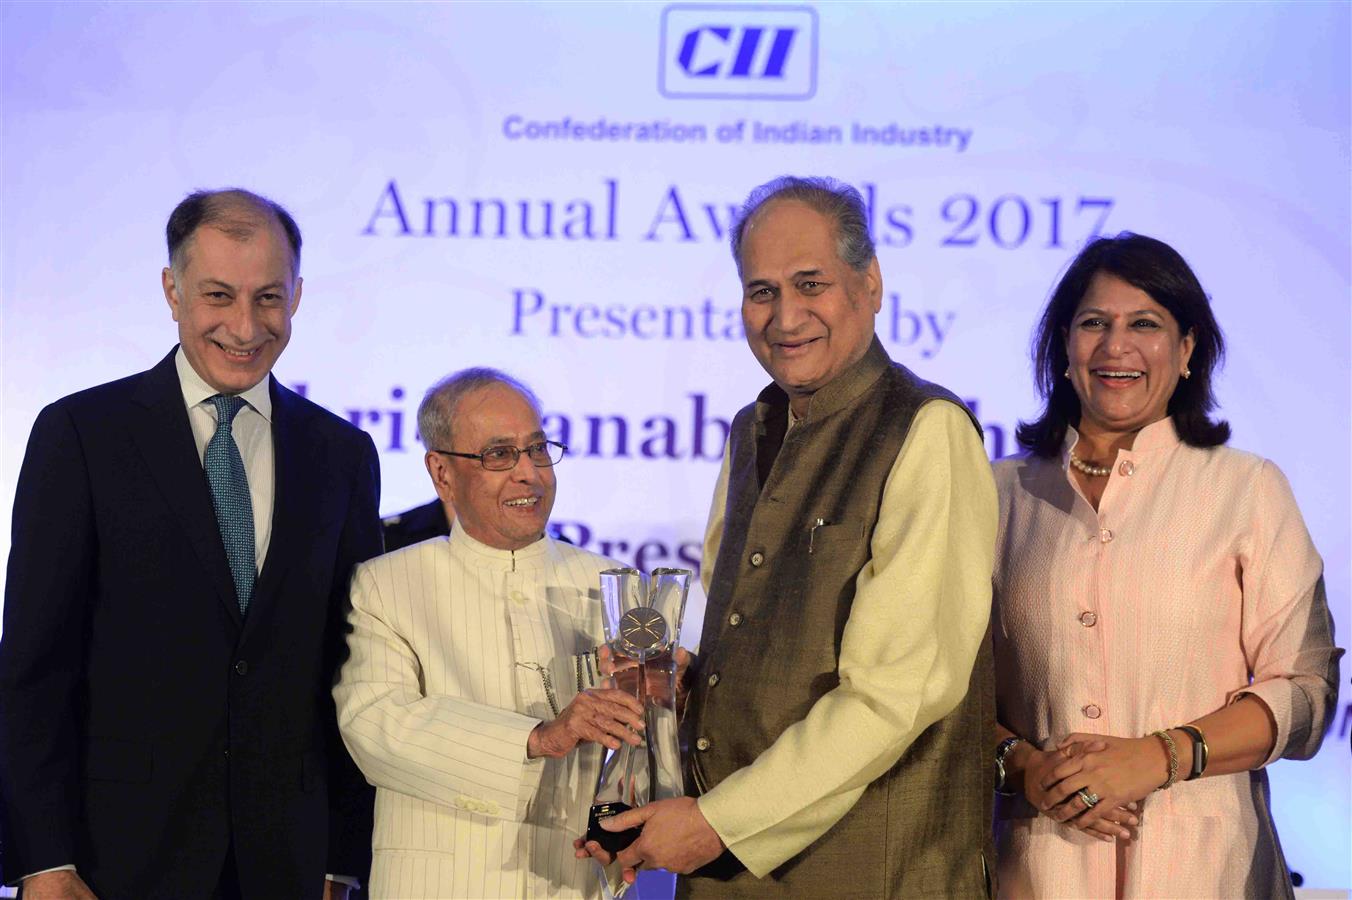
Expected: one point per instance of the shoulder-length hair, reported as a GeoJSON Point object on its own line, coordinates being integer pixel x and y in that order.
{"type": "Point", "coordinates": [1158, 269]}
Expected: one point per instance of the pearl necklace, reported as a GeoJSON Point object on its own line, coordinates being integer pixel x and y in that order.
{"type": "Point", "coordinates": [1089, 469]}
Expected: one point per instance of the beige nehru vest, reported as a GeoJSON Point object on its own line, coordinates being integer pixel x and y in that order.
{"type": "Point", "coordinates": [772, 629]}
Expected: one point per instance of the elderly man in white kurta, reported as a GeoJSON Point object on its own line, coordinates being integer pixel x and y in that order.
{"type": "Point", "coordinates": [467, 698]}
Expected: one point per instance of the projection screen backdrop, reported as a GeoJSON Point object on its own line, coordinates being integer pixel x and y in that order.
{"type": "Point", "coordinates": [546, 188]}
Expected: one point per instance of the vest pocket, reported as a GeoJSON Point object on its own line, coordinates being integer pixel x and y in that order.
{"type": "Point", "coordinates": [836, 550]}
{"type": "Point", "coordinates": [827, 537]}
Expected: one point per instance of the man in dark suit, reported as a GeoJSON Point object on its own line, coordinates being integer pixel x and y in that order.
{"type": "Point", "coordinates": [182, 546]}
{"type": "Point", "coordinates": [413, 526]}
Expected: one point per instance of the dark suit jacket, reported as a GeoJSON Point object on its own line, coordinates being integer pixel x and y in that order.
{"type": "Point", "coordinates": [145, 726]}
{"type": "Point", "coordinates": [415, 525]}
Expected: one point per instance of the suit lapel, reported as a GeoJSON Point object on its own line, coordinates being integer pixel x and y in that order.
{"type": "Point", "coordinates": [160, 429]}
{"type": "Point", "coordinates": [294, 494]}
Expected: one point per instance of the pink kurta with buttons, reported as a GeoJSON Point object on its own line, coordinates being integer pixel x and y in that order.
{"type": "Point", "coordinates": [1194, 583]}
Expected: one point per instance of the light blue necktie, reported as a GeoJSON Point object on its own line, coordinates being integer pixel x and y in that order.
{"type": "Point", "coordinates": [230, 496]}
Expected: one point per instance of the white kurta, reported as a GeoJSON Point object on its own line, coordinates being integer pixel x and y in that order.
{"type": "Point", "coordinates": [437, 699]}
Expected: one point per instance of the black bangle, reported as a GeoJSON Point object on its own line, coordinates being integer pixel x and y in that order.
{"type": "Point", "coordinates": [1199, 750]}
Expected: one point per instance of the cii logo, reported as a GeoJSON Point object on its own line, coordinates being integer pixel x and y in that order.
{"type": "Point", "coordinates": [741, 51]}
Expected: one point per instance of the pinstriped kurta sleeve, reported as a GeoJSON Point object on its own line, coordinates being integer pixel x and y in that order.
{"type": "Point", "coordinates": [457, 651]}
{"type": "Point", "coordinates": [439, 748]}
{"type": "Point", "coordinates": [931, 559]}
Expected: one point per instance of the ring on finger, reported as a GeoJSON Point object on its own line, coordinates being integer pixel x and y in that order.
{"type": "Point", "coordinates": [1087, 797]}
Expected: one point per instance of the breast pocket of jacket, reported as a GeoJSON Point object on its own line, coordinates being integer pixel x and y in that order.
{"type": "Point", "coordinates": [835, 551]}
{"type": "Point", "coordinates": [836, 545]}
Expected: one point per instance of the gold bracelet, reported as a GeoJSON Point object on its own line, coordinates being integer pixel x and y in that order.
{"type": "Point", "coordinates": [1173, 759]}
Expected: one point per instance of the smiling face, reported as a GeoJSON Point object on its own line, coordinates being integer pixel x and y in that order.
{"type": "Point", "coordinates": [808, 315]}
{"type": "Point", "coordinates": [507, 510]}
{"type": "Point", "coordinates": [1126, 356]}
{"type": "Point", "coordinates": [233, 301]}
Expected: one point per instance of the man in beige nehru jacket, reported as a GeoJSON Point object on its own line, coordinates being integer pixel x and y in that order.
{"type": "Point", "coordinates": [837, 731]}
{"type": "Point", "coordinates": [465, 700]}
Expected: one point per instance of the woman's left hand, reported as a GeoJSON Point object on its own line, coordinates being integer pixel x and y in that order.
{"type": "Point", "coordinates": [1127, 770]}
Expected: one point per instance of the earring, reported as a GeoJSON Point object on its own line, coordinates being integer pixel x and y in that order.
{"type": "Point", "coordinates": [1187, 373]}
{"type": "Point", "coordinates": [1067, 371]}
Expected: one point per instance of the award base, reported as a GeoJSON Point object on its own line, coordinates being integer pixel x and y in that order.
{"type": "Point", "coordinates": [611, 841]}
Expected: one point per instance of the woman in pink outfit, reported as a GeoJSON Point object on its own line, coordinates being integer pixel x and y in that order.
{"type": "Point", "coordinates": [1161, 630]}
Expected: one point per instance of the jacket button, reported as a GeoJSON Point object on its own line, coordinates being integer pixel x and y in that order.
{"type": "Point", "coordinates": [1088, 619]}
{"type": "Point", "coordinates": [1127, 467]}
{"type": "Point", "coordinates": [1105, 535]}
{"type": "Point", "coordinates": [1092, 712]}
{"type": "Point", "coordinates": [703, 744]}
{"type": "Point", "coordinates": [757, 558]}
{"type": "Point", "coordinates": [713, 680]}
{"type": "Point", "coordinates": [735, 619]}
{"type": "Point", "coordinates": [241, 668]}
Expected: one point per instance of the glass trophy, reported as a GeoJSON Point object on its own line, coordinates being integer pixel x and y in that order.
{"type": "Point", "coordinates": [643, 622]}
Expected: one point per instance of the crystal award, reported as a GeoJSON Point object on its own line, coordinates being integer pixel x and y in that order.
{"type": "Point", "coordinates": [643, 622]}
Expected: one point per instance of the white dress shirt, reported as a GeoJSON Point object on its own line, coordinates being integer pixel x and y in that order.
{"type": "Point", "coordinates": [252, 430]}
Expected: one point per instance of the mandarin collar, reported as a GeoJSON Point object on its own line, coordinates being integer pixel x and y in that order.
{"type": "Point", "coordinates": [836, 394]}
{"type": "Point", "coordinates": [1156, 436]}
{"type": "Point", "coordinates": [461, 542]}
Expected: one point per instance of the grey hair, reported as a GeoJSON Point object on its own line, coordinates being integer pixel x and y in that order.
{"type": "Point", "coordinates": [832, 198]}
{"type": "Point", "coordinates": [437, 410]}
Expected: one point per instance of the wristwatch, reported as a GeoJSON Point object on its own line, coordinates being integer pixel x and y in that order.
{"type": "Point", "coordinates": [1000, 753]}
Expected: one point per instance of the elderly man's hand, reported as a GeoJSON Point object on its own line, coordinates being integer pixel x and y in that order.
{"type": "Point", "coordinates": [603, 716]}
{"type": "Point", "coordinates": [62, 884]}
{"type": "Point", "coordinates": [675, 837]}
{"type": "Point", "coordinates": [658, 676]}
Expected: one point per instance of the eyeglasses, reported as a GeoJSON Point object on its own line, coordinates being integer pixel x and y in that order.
{"type": "Point", "coordinates": [542, 454]}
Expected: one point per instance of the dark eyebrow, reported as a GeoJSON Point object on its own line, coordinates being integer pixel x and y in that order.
{"type": "Point", "coordinates": [272, 286]}
{"type": "Point", "coordinates": [1099, 312]}
{"type": "Point", "coordinates": [808, 273]}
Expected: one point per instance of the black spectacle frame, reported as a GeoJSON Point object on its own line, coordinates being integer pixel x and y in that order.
{"type": "Point", "coordinates": [542, 455]}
